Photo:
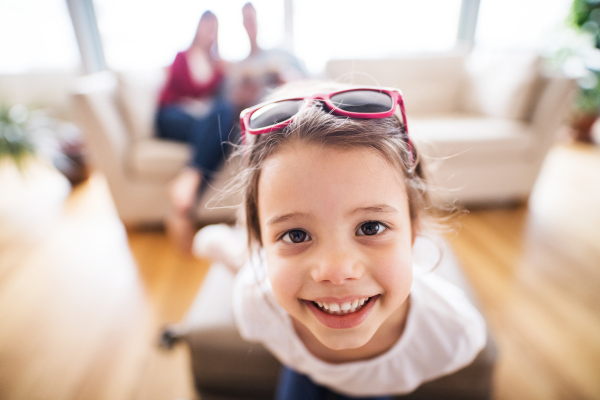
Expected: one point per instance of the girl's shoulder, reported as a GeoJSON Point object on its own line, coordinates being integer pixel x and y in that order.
{"type": "Point", "coordinates": [437, 294]}
{"type": "Point", "coordinates": [443, 326]}
{"type": "Point", "coordinates": [255, 309]}
{"type": "Point", "coordinates": [441, 311]}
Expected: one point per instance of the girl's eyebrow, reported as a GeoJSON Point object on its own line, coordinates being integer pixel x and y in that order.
{"type": "Point", "coordinates": [286, 217]}
{"type": "Point", "coordinates": [377, 208]}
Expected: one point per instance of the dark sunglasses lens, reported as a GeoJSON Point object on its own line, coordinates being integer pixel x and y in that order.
{"type": "Point", "coordinates": [273, 114]}
{"type": "Point", "coordinates": [363, 101]}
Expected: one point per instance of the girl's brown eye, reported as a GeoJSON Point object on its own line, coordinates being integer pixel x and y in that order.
{"type": "Point", "coordinates": [296, 236]}
{"type": "Point", "coordinates": [370, 228]}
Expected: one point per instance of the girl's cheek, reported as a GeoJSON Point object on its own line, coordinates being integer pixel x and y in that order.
{"type": "Point", "coordinates": [394, 266]}
{"type": "Point", "coordinates": [286, 290]}
{"type": "Point", "coordinates": [283, 276]}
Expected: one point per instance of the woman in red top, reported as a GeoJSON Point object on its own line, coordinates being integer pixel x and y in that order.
{"type": "Point", "coordinates": [192, 109]}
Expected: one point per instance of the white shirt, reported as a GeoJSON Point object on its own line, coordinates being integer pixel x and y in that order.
{"type": "Point", "coordinates": [443, 333]}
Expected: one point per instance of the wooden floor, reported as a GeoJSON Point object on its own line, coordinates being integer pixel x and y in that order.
{"type": "Point", "coordinates": [81, 307]}
{"type": "Point", "coordinates": [536, 270]}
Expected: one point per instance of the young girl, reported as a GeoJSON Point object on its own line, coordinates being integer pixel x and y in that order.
{"type": "Point", "coordinates": [335, 195]}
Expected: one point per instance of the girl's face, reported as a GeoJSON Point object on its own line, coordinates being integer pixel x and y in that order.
{"type": "Point", "coordinates": [337, 234]}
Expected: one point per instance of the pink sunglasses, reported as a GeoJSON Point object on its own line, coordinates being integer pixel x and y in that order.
{"type": "Point", "coordinates": [362, 103]}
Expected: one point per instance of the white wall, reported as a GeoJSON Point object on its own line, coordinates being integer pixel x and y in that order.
{"type": "Point", "coordinates": [42, 89]}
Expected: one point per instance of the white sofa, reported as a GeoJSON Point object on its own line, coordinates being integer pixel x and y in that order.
{"type": "Point", "coordinates": [487, 120]}
{"type": "Point", "coordinates": [116, 112]}
{"type": "Point", "coordinates": [484, 120]}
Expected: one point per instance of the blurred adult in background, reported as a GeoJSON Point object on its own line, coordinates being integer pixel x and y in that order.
{"type": "Point", "coordinates": [193, 109]}
{"type": "Point", "coordinates": [263, 70]}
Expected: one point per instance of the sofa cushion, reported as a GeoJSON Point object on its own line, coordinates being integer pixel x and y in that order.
{"type": "Point", "coordinates": [157, 159]}
{"type": "Point", "coordinates": [501, 84]}
{"type": "Point", "coordinates": [138, 97]}
{"type": "Point", "coordinates": [471, 138]}
{"type": "Point", "coordinates": [430, 84]}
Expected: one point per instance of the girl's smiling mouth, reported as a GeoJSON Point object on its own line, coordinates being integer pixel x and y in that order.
{"type": "Point", "coordinates": [342, 308]}
{"type": "Point", "coordinates": [343, 315]}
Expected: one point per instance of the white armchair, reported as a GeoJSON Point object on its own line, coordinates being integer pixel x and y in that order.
{"type": "Point", "coordinates": [116, 113]}
{"type": "Point", "coordinates": [484, 120]}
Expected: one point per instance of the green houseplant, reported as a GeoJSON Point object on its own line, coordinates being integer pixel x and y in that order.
{"type": "Point", "coordinates": [16, 143]}
{"type": "Point", "coordinates": [32, 191]}
{"type": "Point", "coordinates": [584, 19]}
{"type": "Point", "coordinates": [27, 135]}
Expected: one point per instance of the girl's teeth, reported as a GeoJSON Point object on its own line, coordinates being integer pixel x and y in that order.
{"type": "Point", "coordinates": [343, 308]}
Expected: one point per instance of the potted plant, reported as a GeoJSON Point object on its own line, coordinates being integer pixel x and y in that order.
{"type": "Point", "coordinates": [15, 145]}
{"type": "Point", "coordinates": [32, 191]}
{"type": "Point", "coordinates": [584, 19]}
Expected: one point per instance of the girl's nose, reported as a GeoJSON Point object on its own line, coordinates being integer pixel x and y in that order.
{"type": "Point", "coordinates": [336, 265]}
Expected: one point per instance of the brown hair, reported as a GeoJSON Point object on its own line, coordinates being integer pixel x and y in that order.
{"type": "Point", "coordinates": [315, 125]}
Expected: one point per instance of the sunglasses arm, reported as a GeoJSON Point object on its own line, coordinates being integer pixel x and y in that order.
{"type": "Point", "coordinates": [408, 141]}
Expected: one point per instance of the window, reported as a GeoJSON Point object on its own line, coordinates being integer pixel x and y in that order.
{"type": "Point", "coordinates": [517, 23]}
{"type": "Point", "coordinates": [36, 34]}
{"type": "Point", "coordinates": [377, 28]}
{"type": "Point", "coordinates": [148, 34]}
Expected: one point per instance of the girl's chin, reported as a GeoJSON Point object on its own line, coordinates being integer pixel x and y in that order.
{"type": "Point", "coordinates": [341, 342]}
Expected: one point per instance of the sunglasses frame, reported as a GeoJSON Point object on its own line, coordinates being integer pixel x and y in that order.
{"type": "Point", "coordinates": [395, 94]}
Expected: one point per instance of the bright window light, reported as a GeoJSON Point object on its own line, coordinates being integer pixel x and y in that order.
{"type": "Point", "coordinates": [377, 28]}
{"type": "Point", "coordinates": [147, 34]}
{"type": "Point", "coordinates": [517, 23]}
{"type": "Point", "coordinates": [36, 35]}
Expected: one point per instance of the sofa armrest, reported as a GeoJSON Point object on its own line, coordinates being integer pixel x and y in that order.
{"type": "Point", "coordinates": [101, 121]}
